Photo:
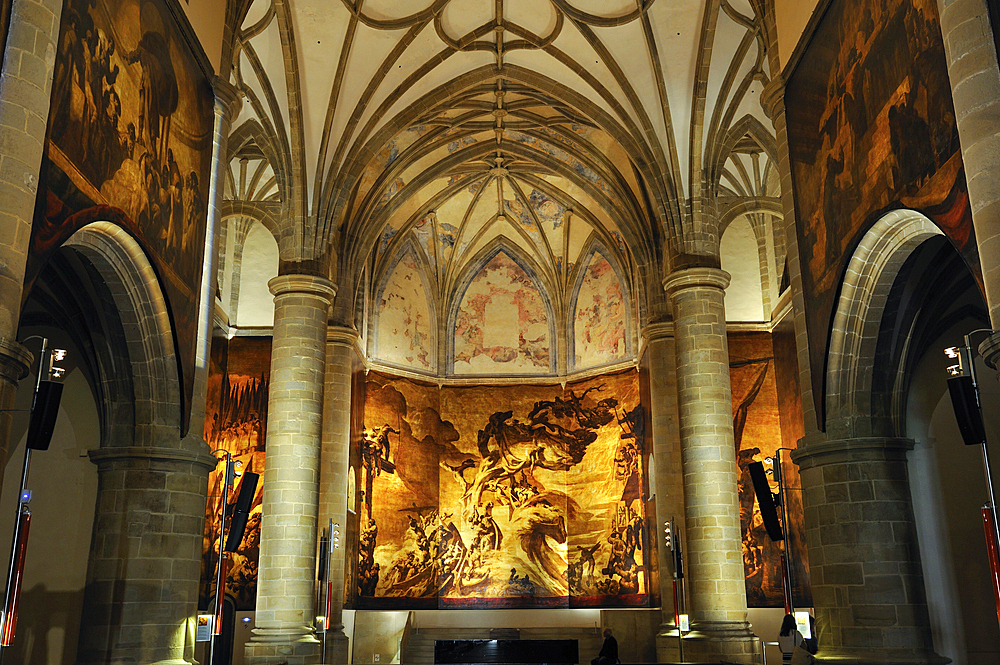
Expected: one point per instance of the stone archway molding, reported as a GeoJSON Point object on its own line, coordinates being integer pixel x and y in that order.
{"type": "Point", "coordinates": [866, 284]}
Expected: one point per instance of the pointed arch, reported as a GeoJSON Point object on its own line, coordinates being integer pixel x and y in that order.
{"type": "Point", "coordinates": [411, 339]}
{"type": "Point", "coordinates": [533, 316]}
{"type": "Point", "coordinates": [605, 321]}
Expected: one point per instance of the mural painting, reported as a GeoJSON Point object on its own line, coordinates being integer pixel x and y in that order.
{"type": "Point", "coordinates": [405, 334]}
{"type": "Point", "coordinates": [757, 434]}
{"type": "Point", "coordinates": [540, 504]}
{"type": "Point", "coordinates": [235, 421]}
{"type": "Point", "coordinates": [502, 323]}
{"type": "Point", "coordinates": [130, 142]}
{"type": "Point", "coordinates": [599, 323]}
{"type": "Point", "coordinates": [868, 133]}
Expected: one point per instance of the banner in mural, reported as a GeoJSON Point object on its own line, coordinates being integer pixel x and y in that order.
{"type": "Point", "coordinates": [871, 128]}
{"type": "Point", "coordinates": [130, 142]}
{"type": "Point", "coordinates": [757, 434]}
{"type": "Point", "coordinates": [502, 496]}
{"type": "Point", "coordinates": [235, 422]}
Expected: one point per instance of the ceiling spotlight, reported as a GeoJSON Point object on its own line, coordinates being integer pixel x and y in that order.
{"type": "Point", "coordinates": [954, 370]}
{"type": "Point", "coordinates": [953, 352]}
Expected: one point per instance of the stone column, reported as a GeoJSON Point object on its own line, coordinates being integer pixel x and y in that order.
{"type": "Point", "coordinates": [335, 464]}
{"type": "Point", "coordinates": [145, 557]}
{"type": "Point", "coordinates": [658, 360]}
{"type": "Point", "coordinates": [25, 87]}
{"type": "Point", "coordinates": [714, 551]}
{"type": "Point", "coordinates": [865, 566]}
{"type": "Point", "coordinates": [975, 85]}
{"type": "Point", "coordinates": [286, 602]}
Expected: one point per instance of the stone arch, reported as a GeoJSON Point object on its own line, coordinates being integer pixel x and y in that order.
{"type": "Point", "coordinates": [151, 479]}
{"type": "Point", "coordinates": [593, 247]}
{"type": "Point", "coordinates": [473, 268]}
{"type": "Point", "coordinates": [858, 315]}
{"type": "Point", "coordinates": [133, 284]}
{"type": "Point", "coordinates": [408, 248]}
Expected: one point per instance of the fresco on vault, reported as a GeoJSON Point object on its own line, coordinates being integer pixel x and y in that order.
{"type": "Point", "coordinates": [537, 505]}
{"type": "Point", "coordinates": [871, 128]}
{"type": "Point", "coordinates": [599, 321]}
{"type": "Point", "coordinates": [235, 421]}
{"type": "Point", "coordinates": [130, 142]}
{"type": "Point", "coordinates": [502, 326]}
{"type": "Point", "coordinates": [757, 434]}
{"type": "Point", "coordinates": [405, 329]}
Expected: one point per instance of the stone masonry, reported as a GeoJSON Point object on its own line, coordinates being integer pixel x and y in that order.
{"type": "Point", "coordinates": [715, 574]}
{"type": "Point", "coordinates": [286, 587]}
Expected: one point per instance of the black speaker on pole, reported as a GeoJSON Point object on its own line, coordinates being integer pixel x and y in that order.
{"type": "Point", "coordinates": [43, 414]}
{"type": "Point", "coordinates": [241, 511]}
{"type": "Point", "coordinates": [965, 401]}
{"type": "Point", "coordinates": [765, 500]}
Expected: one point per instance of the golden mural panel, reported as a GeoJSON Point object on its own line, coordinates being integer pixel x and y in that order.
{"type": "Point", "coordinates": [503, 496]}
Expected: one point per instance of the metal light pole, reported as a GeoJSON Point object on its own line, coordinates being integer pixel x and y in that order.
{"type": "Point", "coordinates": [965, 400]}
{"type": "Point", "coordinates": [22, 519]}
{"type": "Point", "coordinates": [220, 570]}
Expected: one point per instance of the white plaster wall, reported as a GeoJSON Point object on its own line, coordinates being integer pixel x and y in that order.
{"type": "Point", "coordinates": [791, 17]}
{"type": "Point", "coordinates": [744, 296]}
{"type": "Point", "coordinates": [259, 265]}
{"type": "Point", "coordinates": [948, 488]}
{"type": "Point", "coordinates": [63, 482]}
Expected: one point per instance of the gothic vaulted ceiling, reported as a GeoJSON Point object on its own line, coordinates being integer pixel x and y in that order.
{"type": "Point", "coordinates": [449, 130]}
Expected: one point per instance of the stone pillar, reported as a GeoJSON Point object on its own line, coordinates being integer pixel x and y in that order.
{"type": "Point", "coordinates": [865, 566]}
{"type": "Point", "coordinates": [658, 360]}
{"type": "Point", "coordinates": [335, 464]}
{"type": "Point", "coordinates": [286, 602]}
{"type": "Point", "coordinates": [975, 85]}
{"type": "Point", "coordinates": [714, 551]}
{"type": "Point", "coordinates": [145, 556]}
{"type": "Point", "coordinates": [25, 87]}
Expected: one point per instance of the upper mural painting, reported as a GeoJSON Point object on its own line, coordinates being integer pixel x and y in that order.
{"type": "Point", "coordinates": [130, 142]}
{"type": "Point", "coordinates": [869, 133]}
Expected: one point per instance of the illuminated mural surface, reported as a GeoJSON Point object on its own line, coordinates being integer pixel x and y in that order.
{"type": "Point", "coordinates": [599, 326]}
{"type": "Point", "coordinates": [405, 332]}
{"type": "Point", "coordinates": [235, 421]}
{"type": "Point", "coordinates": [502, 324]}
{"type": "Point", "coordinates": [502, 496]}
{"type": "Point", "coordinates": [130, 142]}
{"type": "Point", "coordinates": [757, 433]}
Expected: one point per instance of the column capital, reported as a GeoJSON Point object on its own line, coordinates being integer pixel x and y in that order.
{"type": "Point", "coordinates": [653, 332]}
{"type": "Point", "coordinates": [989, 349]}
{"type": "Point", "coordinates": [341, 335]}
{"type": "Point", "coordinates": [840, 451]}
{"type": "Point", "coordinates": [305, 284]}
{"type": "Point", "coordinates": [772, 97]}
{"type": "Point", "coordinates": [111, 454]}
{"type": "Point", "coordinates": [15, 360]}
{"type": "Point", "coordinates": [690, 278]}
{"type": "Point", "coordinates": [228, 98]}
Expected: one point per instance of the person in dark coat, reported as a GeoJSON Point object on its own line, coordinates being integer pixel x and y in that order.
{"type": "Point", "coordinates": [609, 650]}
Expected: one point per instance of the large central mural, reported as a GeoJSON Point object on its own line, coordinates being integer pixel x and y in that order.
{"type": "Point", "coordinates": [502, 496]}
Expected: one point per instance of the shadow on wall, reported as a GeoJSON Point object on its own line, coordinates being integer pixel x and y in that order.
{"type": "Point", "coordinates": [44, 627]}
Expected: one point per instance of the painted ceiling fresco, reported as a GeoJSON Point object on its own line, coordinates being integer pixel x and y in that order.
{"type": "Point", "coordinates": [406, 333]}
{"type": "Point", "coordinates": [600, 322]}
{"type": "Point", "coordinates": [502, 324]}
{"type": "Point", "coordinates": [539, 505]}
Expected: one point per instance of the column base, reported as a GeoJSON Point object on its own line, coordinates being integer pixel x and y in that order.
{"type": "Point", "coordinates": [283, 646]}
{"type": "Point", "coordinates": [726, 641]}
{"type": "Point", "coordinates": [337, 647]}
{"type": "Point", "coordinates": [881, 656]}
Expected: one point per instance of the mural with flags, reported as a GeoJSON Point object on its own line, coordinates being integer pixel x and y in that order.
{"type": "Point", "coordinates": [235, 422]}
